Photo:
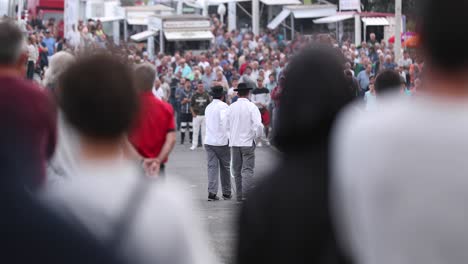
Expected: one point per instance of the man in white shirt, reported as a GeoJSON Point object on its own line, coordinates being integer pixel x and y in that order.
{"type": "Point", "coordinates": [217, 145]}
{"type": "Point", "coordinates": [407, 203]}
{"type": "Point", "coordinates": [244, 125]}
{"type": "Point", "coordinates": [157, 90]}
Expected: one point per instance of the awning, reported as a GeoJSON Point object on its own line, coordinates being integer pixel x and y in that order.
{"type": "Point", "coordinates": [188, 35]}
{"type": "Point", "coordinates": [137, 21]}
{"type": "Point", "coordinates": [143, 35]}
{"type": "Point", "coordinates": [375, 21]}
{"type": "Point", "coordinates": [281, 2]}
{"type": "Point", "coordinates": [333, 19]}
{"type": "Point", "coordinates": [312, 11]}
{"type": "Point", "coordinates": [279, 19]}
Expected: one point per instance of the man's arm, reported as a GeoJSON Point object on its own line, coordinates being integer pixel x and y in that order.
{"type": "Point", "coordinates": [257, 122]}
{"type": "Point", "coordinates": [167, 147]}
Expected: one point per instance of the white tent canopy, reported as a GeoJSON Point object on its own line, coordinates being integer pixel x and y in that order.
{"type": "Point", "coordinates": [281, 2]}
{"type": "Point", "coordinates": [143, 35]}
{"type": "Point", "coordinates": [375, 21]}
{"type": "Point", "coordinates": [188, 35]}
{"type": "Point", "coordinates": [279, 19]}
{"type": "Point", "coordinates": [302, 11]}
{"type": "Point", "coordinates": [334, 18]}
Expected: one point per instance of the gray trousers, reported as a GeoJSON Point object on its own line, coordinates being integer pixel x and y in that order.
{"type": "Point", "coordinates": [243, 165]}
{"type": "Point", "coordinates": [219, 165]}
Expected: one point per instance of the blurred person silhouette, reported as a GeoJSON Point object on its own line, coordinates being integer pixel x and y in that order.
{"type": "Point", "coordinates": [287, 218]}
{"type": "Point", "coordinates": [147, 221]}
{"type": "Point", "coordinates": [63, 163]}
{"type": "Point", "coordinates": [408, 204]}
{"type": "Point", "coordinates": [28, 225]}
{"type": "Point", "coordinates": [154, 132]}
{"type": "Point", "coordinates": [30, 231]}
{"type": "Point", "coordinates": [58, 63]}
{"type": "Point", "coordinates": [34, 112]}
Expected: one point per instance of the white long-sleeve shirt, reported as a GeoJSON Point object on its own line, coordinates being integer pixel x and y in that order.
{"type": "Point", "coordinates": [244, 123]}
{"type": "Point", "coordinates": [406, 203]}
{"type": "Point", "coordinates": [215, 118]}
{"type": "Point", "coordinates": [261, 97]}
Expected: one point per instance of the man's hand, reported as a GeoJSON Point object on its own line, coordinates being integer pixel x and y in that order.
{"type": "Point", "coordinates": [152, 167]}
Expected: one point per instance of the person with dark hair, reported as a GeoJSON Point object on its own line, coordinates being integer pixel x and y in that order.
{"type": "Point", "coordinates": [33, 56]}
{"type": "Point", "coordinates": [153, 134]}
{"type": "Point", "coordinates": [387, 81]}
{"type": "Point", "coordinates": [408, 204]}
{"type": "Point", "coordinates": [370, 97]}
{"type": "Point", "coordinates": [217, 145]}
{"type": "Point", "coordinates": [199, 102]}
{"type": "Point", "coordinates": [186, 118]}
{"type": "Point", "coordinates": [261, 98]}
{"type": "Point", "coordinates": [34, 112]}
{"type": "Point", "coordinates": [120, 207]}
{"type": "Point", "coordinates": [287, 218]}
{"type": "Point", "coordinates": [244, 125]}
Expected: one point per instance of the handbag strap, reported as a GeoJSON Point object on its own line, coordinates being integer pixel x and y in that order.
{"type": "Point", "coordinates": [130, 212]}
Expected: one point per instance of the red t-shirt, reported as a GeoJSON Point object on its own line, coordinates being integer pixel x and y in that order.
{"type": "Point", "coordinates": [155, 120]}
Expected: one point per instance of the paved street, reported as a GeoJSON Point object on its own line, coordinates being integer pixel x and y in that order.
{"type": "Point", "coordinates": [218, 217]}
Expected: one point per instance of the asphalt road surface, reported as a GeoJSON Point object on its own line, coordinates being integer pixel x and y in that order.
{"type": "Point", "coordinates": [218, 217]}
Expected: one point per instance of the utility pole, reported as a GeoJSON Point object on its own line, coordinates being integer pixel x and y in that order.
{"type": "Point", "coordinates": [397, 47]}
{"type": "Point", "coordinates": [20, 9]}
{"type": "Point", "coordinates": [256, 17]}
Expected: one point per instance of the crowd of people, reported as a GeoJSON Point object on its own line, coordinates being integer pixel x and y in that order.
{"type": "Point", "coordinates": [371, 166]}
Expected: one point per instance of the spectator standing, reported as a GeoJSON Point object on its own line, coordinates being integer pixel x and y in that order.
{"type": "Point", "coordinates": [32, 108]}
{"type": "Point", "coordinates": [200, 100]}
{"type": "Point", "coordinates": [244, 123]}
{"type": "Point", "coordinates": [157, 90]}
{"type": "Point", "coordinates": [363, 79]}
{"type": "Point", "coordinates": [183, 68]}
{"type": "Point", "coordinates": [49, 43]}
{"type": "Point", "coordinates": [209, 77]}
{"type": "Point", "coordinates": [217, 147]}
{"type": "Point", "coordinates": [154, 134]}
{"type": "Point", "coordinates": [186, 118]}
{"type": "Point", "coordinates": [262, 99]}
{"type": "Point", "coordinates": [33, 56]}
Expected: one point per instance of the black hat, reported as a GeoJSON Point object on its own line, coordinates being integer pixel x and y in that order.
{"type": "Point", "coordinates": [243, 87]}
{"type": "Point", "coordinates": [217, 91]}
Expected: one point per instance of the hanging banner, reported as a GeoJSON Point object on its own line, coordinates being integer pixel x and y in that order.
{"type": "Point", "coordinates": [350, 5]}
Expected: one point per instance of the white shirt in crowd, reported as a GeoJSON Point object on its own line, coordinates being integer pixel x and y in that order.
{"type": "Point", "coordinates": [215, 118]}
{"type": "Point", "coordinates": [406, 203]}
{"type": "Point", "coordinates": [260, 99]}
{"type": "Point", "coordinates": [159, 93]}
{"type": "Point", "coordinates": [244, 123]}
{"type": "Point", "coordinates": [33, 53]}
{"type": "Point", "coordinates": [203, 64]}
{"type": "Point", "coordinates": [164, 228]}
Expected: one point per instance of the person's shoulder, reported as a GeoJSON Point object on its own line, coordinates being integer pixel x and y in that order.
{"type": "Point", "coordinates": [380, 125]}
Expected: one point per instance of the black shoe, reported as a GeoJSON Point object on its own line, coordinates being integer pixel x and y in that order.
{"type": "Point", "coordinates": [227, 196]}
{"type": "Point", "coordinates": [212, 197]}
{"type": "Point", "coordinates": [181, 142]}
{"type": "Point", "coordinates": [240, 200]}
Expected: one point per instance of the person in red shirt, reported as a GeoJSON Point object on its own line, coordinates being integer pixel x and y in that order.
{"type": "Point", "coordinates": [153, 135]}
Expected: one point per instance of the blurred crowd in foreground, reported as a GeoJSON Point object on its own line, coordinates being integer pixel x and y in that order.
{"type": "Point", "coordinates": [384, 183]}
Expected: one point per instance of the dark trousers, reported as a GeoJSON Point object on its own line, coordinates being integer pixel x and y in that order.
{"type": "Point", "coordinates": [219, 166]}
{"type": "Point", "coordinates": [30, 72]}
